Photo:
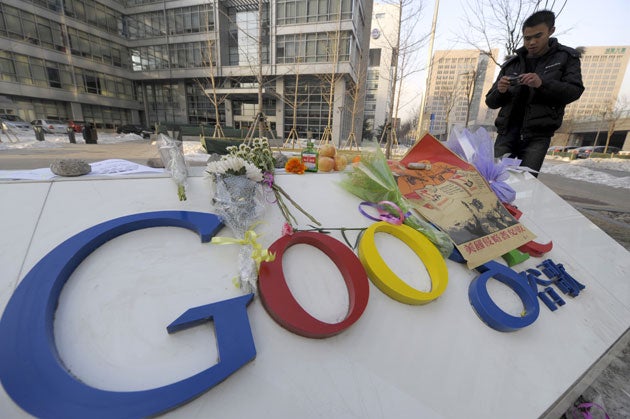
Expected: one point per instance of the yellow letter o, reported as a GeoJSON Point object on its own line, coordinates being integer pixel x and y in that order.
{"type": "Point", "coordinates": [386, 280]}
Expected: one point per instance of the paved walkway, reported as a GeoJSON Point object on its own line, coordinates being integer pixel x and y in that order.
{"type": "Point", "coordinates": [604, 206]}
{"type": "Point", "coordinates": [141, 151]}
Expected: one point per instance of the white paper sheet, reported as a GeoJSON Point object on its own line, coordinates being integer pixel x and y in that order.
{"type": "Point", "coordinates": [111, 167]}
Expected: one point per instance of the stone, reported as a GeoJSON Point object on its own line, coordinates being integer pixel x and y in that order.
{"type": "Point", "coordinates": [156, 163]}
{"type": "Point", "coordinates": [280, 160]}
{"type": "Point", "coordinates": [70, 167]}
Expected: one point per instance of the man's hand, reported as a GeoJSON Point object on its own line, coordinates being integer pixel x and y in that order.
{"type": "Point", "coordinates": [531, 80]}
{"type": "Point", "coordinates": [504, 84]}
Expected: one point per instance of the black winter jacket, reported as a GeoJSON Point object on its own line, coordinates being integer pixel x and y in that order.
{"type": "Point", "coordinates": [559, 70]}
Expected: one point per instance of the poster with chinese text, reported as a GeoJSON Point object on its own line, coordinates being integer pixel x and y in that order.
{"type": "Point", "coordinates": [455, 197]}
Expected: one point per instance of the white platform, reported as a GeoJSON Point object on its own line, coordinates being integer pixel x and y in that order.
{"type": "Point", "coordinates": [397, 361]}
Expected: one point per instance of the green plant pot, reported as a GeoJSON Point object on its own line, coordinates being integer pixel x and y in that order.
{"type": "Point", "coordinates": [219, 145]}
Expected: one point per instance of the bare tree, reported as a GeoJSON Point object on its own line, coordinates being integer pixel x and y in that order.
{"type": "Point", "coordinates": [355, 93]}
{"type": "Point", "coordinates": [292, 99]}
{"type": "Point", "coordinates": [214, 98]}
{"type": "Point", "coordinates": [255, 62]}
{"type": "Point", "coordinates": [414, 120]}
{"type": "Point", "coordinates": [459, 93]}
{"type": "Point", "coordinates": [488, 23]}
{"type": "Point", "coordinates": [294, 103]}
{"type": "Point", "coordinates": [449, 98]}
{"type": "Point", "coordinates": [600, 114]}
{"type": "Point", "coordinates": [564, 133]}
{"type": "Point", "coordinates": [470, 82]}
{"type": "Point", "coordinates": [403, 46]}
{"type": "Point", "coordinates": [613, 113]}
{"type": "Point", "coordinates": [330, 79]}
{"type": "Point", "coordinates": [261, 119]}
{"type": "Point", "coordinates": [406, 127]}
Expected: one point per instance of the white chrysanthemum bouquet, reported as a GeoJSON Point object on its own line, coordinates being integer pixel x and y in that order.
{"type": "Point", "coordinates": [235, 166]}
{"type": "Point", "coordinates": [239, 182]}
{"type": "Point", "coordinates": [238, 199]}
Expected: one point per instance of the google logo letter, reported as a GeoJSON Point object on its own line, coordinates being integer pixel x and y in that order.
{"type": "Point", "coordinates": [34, 376]}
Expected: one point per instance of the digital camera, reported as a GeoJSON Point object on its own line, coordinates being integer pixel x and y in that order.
{"type": "Point", "coordinates": [515, 80]}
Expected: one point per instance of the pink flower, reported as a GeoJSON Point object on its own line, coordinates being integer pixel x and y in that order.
{"type": "Point", "coordinates": [287, 229]}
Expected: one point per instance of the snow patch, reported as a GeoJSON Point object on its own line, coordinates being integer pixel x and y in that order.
{"type": "Point", "coordinates": [583, 170]}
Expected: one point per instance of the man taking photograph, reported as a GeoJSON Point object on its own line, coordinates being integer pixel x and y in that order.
{"type": "Point", "coordinates": [532, 90]}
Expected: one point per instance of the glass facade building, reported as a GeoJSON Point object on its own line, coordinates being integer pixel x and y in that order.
{"type": "Point", "coordinates": [113, 62]}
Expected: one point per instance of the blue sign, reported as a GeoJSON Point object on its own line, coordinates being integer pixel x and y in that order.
{"type": "Point", "coordinates": [31, 370]}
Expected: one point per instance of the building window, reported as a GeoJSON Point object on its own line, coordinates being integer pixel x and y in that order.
{"type": "Point", "coordinates": [375, 57]}
{"type": "Point", "coordinates": [312, 47]}
{"type": "Point", "coordinates": [7, 69]}
{"type": "Point", "coordinates": [312, 111]}
{"type": "Point", "coordinates": [243, 36]}
{"type": "Point", "coordinates": [290, 12]}
{"type": "Point", "coordinates": [92, 83]}
{"type": "Point", "coordinates": [94, 14]}
{"type": "Point", "coordinates": [53, 77]}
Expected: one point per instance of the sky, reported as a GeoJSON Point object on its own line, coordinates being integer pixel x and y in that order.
{"type": "Point", "coordinates": [581, 169]}
{"type": "Point", "coordinates": [581, 23]}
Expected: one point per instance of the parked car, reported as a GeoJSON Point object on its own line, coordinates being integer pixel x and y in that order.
{"type": "Point", "coordinates": [587, 151]}
{"type": "Point", "coordinates": [51, 126]}
{"type": "Point", "coordinates": [14, 123]}
{"type": "Point", "coordinates": [575, 151]}
{"type": "Point", "coordinates": [77, 126]}
{"type": "Point", "coordinates": [561, 148]}
{"type": "Point", "coordinates": [134, 129]}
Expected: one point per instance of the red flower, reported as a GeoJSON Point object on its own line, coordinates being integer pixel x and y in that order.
{"type": "Point", "coordinates": [287, 229]}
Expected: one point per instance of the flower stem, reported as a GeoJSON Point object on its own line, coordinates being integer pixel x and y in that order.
{"type": "Point", "coordinates": [284, 209]}
{"type": "Point", "coordinates": [277, 189]}
{"type": "Point", "coordinates": [181, 192]}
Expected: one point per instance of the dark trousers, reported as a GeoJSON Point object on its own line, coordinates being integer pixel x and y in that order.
{"type": "Point", "coordinates": [531, 151]}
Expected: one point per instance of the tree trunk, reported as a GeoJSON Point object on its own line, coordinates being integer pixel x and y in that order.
{"type": "Point", "coordinates": [261, 122]}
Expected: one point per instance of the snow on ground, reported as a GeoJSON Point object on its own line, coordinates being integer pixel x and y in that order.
{"type": "Point", "coordinates": [27, 140]}
{"type": "Point", "coordinates": [586, 170]}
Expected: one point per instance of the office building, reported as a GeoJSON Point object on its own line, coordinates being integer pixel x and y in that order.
{"type": "Point", "coordinates": [603, 72]}
{"type": "Point", "coordinates": [385, 26]}
{"type": "Point", "coordinates": [459, 80]}
{"type": "Point", "coordinates": [113, 62]}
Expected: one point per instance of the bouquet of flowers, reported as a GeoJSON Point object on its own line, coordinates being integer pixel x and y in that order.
{"type": "Point", "coordinates": [239, 200]}
{"type": "Point", "coordinates": [174, 162]}
{"type": "Point", "coordinates": [477, 148]}
{"type": "Point", "coordinates": [240, 179]}
{"type": "Point", "coordinates": [373, 181]}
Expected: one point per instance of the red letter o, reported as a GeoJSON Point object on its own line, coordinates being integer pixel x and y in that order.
{"type": "Point", "coordinates": [284, 308]}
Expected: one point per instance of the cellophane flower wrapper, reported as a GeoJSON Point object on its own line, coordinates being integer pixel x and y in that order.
{"type": "Point", "coordinates": [174, 162]}
{"type": "Point", "coordinates": [372, 180]}
{"type": "Point", "coordinates": [240, 203]}
{"type": "Point", "coordinates": [477, 148]}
